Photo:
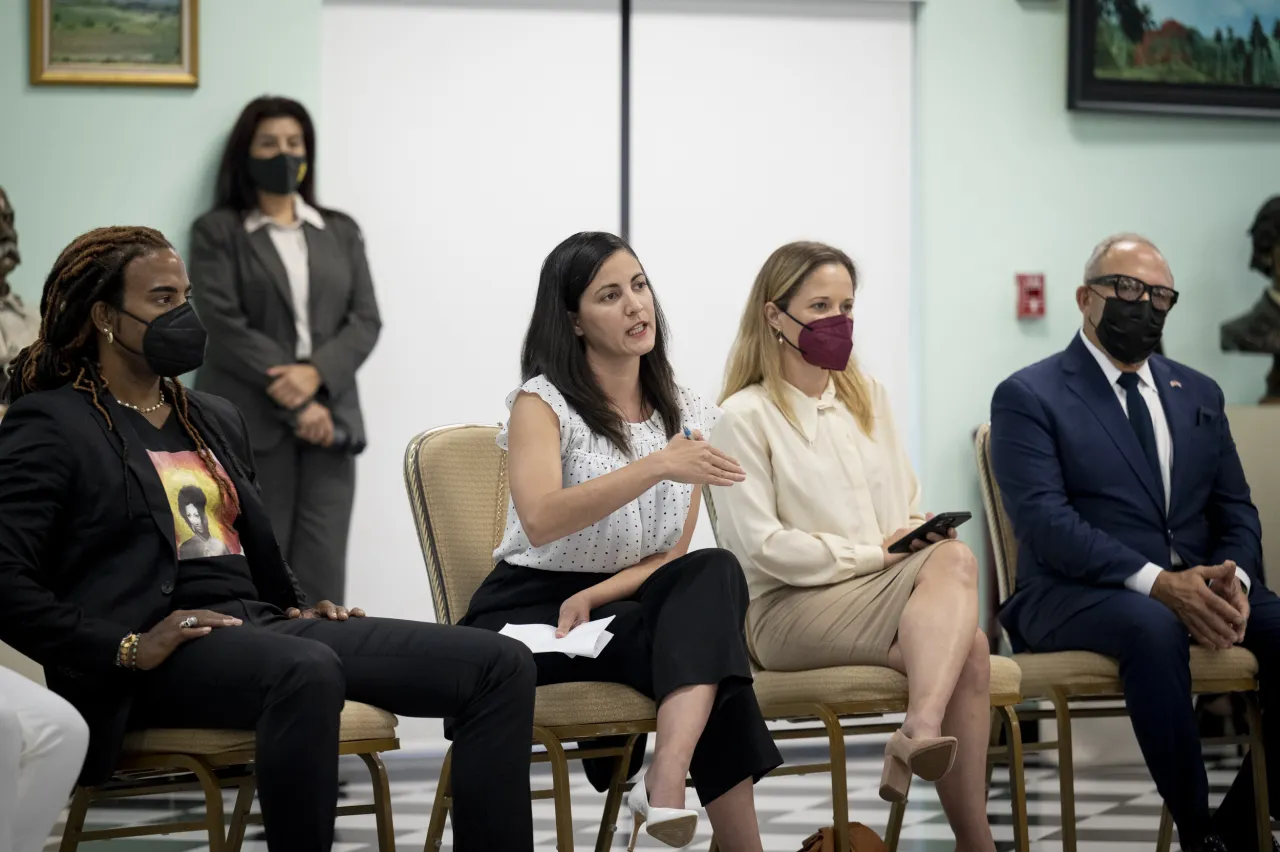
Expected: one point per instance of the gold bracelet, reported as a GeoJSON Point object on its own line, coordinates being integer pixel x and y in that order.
{"type": "Point", "coordinates": [127, 654]}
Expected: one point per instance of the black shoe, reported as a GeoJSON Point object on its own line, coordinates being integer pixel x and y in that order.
{"type": "Point", "coordinates": [1210, 843]}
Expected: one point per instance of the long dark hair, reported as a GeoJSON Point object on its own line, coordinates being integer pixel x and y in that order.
{"type": "Point", "coordinates": [552, 349]}
{"type": "Point", "coordinates": [88, 271]}
{"type": "Point", "coordinates": [235, 189]}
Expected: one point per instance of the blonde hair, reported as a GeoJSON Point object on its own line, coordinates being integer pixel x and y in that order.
{"type": "Point", "coordinates": [754, 358]}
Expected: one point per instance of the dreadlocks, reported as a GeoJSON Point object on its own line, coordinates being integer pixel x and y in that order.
{"type": "Point", "coordinates": [88, 271]}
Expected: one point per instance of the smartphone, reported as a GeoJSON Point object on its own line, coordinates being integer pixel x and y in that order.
{"type": "Point", "coordinates": [940, 524]}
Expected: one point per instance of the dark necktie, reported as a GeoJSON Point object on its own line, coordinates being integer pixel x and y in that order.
{"type": "Point", "coordinates": [1140, 420]}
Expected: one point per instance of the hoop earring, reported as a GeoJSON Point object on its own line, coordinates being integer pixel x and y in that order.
{"type": "Point", "coordinates": [111, 335]}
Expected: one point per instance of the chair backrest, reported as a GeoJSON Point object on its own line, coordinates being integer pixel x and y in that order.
{"type": "Point", "coordinates": [711, 512]}
{"type": "Point", "coordinates": [1003, 542]}
{"type": "Point", "coordinates": [457, 482]}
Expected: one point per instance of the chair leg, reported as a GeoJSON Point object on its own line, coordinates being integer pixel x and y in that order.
{"type": "Point", "coordinates": [559, 788]}
{"type": "Point", "coordinates": [440, 808]}
{"type": "Point", "coordinates": [75, 820]}
{"type": "Point", "coordinates": [996, 727]}
{"type": "Point", "coordinates": [613, 800]}
{"type": "Point", "coordinates": [244, 803]}
{"type": "Point", "coordinates": [381, 801]}
{"type": "Point", "coordinates": [1017, 779]}
{"type": "Point", "coordinates": [1066, 770]}
{"type": "Point", "coordinates": [897, 811]}
{"type": "Point", "coordinates": [215, 822]}
{"type": "Point", "coordinates": [839, 775]}
{"type": "Point", "coordinates": [1261, 795]}
{"type": "Point", "coordinates": [1164, 839]}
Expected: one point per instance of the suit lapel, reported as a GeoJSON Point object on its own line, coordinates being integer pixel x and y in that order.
{"type": "Point", "coordinates": [139, 463]}
{"type": "Point", "coordinates": [325, 261]}
{"type": "Point", "coordinates": [265, 249]}
{"type": "Point", "coordinates": [1179, 413]}
{"type": "Point", "coordinates": [1086, 379]}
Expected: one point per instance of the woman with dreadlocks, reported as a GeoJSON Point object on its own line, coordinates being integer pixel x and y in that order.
{"type": "Point", "coordinates": [98, 443]}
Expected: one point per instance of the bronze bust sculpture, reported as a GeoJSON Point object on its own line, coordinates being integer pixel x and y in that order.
{"type": "Point", "coordinates": [19, 327]}
{"type": "Point", "coordinates": [1258, 330]}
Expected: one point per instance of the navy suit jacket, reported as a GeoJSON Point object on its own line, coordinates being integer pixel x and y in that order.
{"type": "Point", "coordinates": [1087, 510]}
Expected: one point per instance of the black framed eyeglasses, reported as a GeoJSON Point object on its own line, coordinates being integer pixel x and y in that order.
{"type": "Point", "coordinates": [1132, 289]}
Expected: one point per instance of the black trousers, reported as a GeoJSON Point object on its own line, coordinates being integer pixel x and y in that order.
{"type": "Point", "coordinates": [309, 492]}
{"type": "Point", "coordinates": [682, 627]}
{"type": "Point", "coordinates": [1153, 648]}
{"type": "Point", "coordinates": [287, 680]}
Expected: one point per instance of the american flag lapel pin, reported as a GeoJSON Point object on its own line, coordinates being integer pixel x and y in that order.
{"type": "Point", "coordinates": [1175, 384]}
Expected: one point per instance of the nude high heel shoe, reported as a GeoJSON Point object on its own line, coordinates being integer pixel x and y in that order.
{"type": "Point", "coordinates": [672, 826]}
{"type": "Point", "coordinates": [929, 757]}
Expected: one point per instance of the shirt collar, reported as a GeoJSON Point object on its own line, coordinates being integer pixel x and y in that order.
{"type": "Point", "coordinates": [304, 211]}
{"type": "Point", "coordinates": [806, 408]}
{"type": "Point", "coordinates": [1110, 370]}
{"type": "Point", "coordinates": [12, 301]}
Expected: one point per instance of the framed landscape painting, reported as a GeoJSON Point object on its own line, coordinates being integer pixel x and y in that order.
{"type": "Point", "coordinates": [115, 42]}
{"type": "Point", "coordinates": [1207, 57]}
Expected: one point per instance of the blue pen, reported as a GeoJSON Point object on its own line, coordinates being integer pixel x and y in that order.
{"type": "Point", "coordinates": [687, 433]}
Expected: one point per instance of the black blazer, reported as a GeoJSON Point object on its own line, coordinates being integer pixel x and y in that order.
{"type": "Point", "coordinates": [87, 551]}
{"type": "Point", "coordinates": [243, 296]}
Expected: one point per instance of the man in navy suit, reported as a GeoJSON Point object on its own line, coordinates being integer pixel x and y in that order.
{"type": "Point", "coordinates": [1136, 532]}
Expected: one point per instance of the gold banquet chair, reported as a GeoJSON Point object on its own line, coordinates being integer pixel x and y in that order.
{"type": "Point", "coordinates": [172, 760]}
{"type": "Point", "coordinates": [1070, 679]}
{"type": "Point", "coordinates": [456, 477]}
{"type": "Point", "coordinates": [830, 697]}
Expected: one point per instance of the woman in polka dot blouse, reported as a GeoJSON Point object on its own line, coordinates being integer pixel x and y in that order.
{"type": "Point", "coordinates": [605, 453]}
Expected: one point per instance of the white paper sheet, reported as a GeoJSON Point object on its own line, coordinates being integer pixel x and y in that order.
{"type": "Point", "coordinates": [585, 640]}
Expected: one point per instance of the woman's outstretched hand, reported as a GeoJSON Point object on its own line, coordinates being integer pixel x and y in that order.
{"type": "Point", "coordinates": [693, 461]}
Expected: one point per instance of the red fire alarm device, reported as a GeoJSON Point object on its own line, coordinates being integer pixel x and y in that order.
{"type": "Point", "coordinates": [1030, 296]}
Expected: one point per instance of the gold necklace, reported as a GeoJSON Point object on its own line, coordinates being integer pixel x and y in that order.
{"type": "Point", "coordinates": [150, 409]}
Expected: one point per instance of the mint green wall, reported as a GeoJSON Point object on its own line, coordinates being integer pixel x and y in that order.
{"type": "Point", "coordinates": [1010, 181]}
{"type": "Point", "coordinates": [74, 158]}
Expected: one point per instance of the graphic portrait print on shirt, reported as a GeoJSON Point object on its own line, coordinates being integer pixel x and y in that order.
{"type": "Point", "coordinates": [203, 520]}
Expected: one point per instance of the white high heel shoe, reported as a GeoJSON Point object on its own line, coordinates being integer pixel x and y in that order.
{"type": "Point", "coordinates": [672, 826]}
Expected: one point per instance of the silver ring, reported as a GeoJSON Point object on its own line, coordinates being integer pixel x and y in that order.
{"type": "Point", "coordinates": [189, 622]}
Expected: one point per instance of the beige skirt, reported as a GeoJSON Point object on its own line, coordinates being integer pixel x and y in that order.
{"type": "Point", "coordinates": [845, 624]}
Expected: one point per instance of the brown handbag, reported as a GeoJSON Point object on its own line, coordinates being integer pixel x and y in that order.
{"type": "Point", "coordinates": [861, 839]}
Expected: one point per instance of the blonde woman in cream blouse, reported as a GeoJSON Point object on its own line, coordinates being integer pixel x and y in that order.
{"type": "Point", "coordinates": [828, 490]}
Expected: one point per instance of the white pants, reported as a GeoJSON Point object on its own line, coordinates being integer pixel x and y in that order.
{"type": "Point", "coordinates": [42, 745]}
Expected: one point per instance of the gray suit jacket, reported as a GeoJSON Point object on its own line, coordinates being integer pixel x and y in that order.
{"type": "Point", "coordinates": [242, 295]}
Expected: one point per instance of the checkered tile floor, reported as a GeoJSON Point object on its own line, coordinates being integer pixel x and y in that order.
{"type": "Point", "coordinates": [1118, 809]}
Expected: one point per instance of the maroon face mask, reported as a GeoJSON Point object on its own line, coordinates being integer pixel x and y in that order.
{"type": "Point", "coordinates": [826, 343]}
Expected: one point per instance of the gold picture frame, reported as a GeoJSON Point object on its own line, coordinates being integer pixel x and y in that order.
{"type": "Point", "coordinates": [115, 42]}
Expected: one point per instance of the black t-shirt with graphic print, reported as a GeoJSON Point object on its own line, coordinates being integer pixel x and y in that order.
{"type": "Point", "coordinates": [212, 567]}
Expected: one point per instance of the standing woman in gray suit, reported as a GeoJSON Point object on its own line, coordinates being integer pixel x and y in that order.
{"type": "Point", "coordinates": [284, 290]}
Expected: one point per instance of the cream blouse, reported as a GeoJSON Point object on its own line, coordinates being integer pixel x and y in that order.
{"type": "Point", "coordinates": [818, 501]}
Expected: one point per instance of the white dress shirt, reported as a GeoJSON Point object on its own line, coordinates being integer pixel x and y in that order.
{"type": "Point", "coordinates": [1146, 576]}
{"type": "Point", "coordinates": [291, 244]}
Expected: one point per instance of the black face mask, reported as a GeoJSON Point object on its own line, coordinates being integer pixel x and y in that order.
{"type": "Point", "coordinates": [173, 343]}
{"type": "Point", "coordinates": [280, 174]}
{"type": "Point", "coordinates": [1130, 331]}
